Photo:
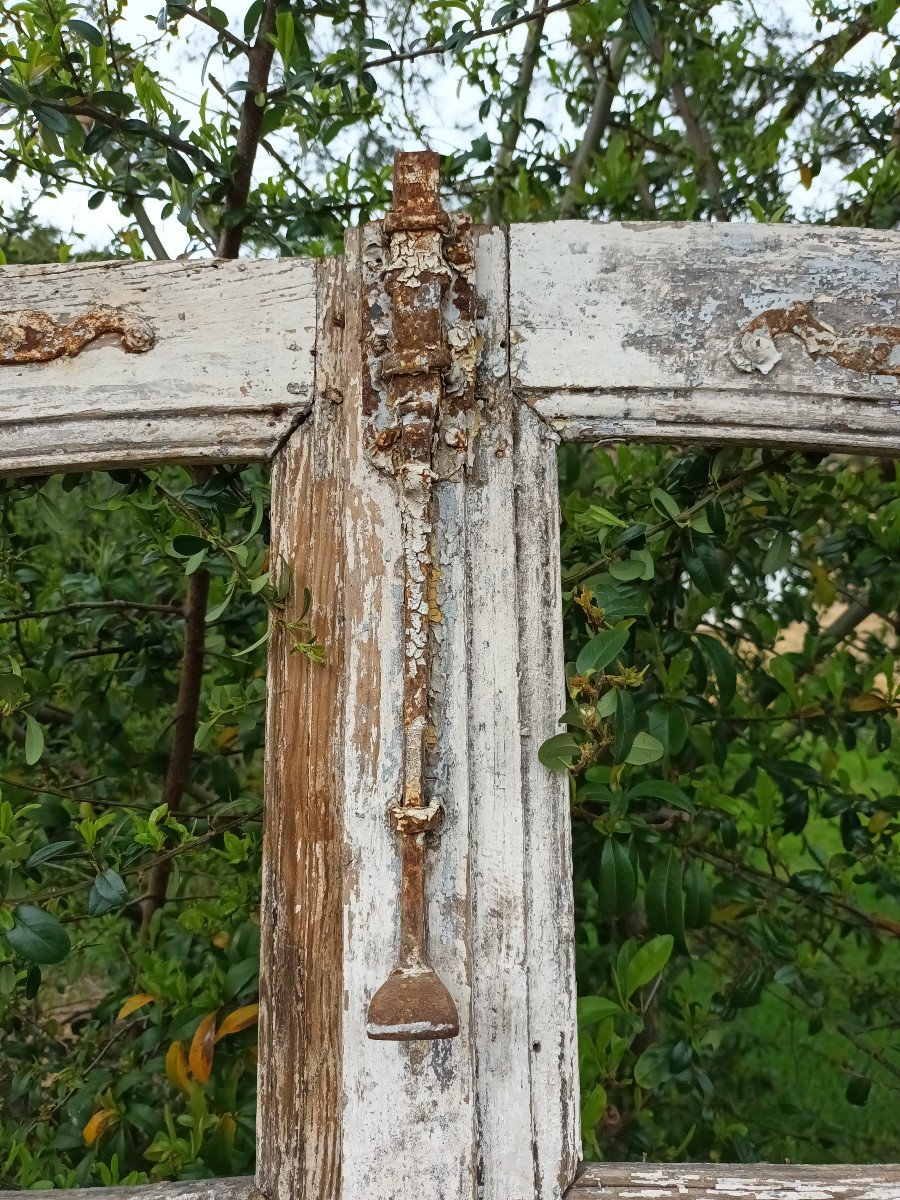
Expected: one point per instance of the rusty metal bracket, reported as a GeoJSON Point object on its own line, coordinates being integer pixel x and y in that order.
{"type": "Point", "coordinates": [31, 336]}
{"type": "Point", "coordinates": [418, 396]}
{"type": "Point", "coordinates": [870, 350]}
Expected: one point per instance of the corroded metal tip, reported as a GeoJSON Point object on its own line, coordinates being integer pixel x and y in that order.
{"type": "Point", "coordinates": [412, 1005]}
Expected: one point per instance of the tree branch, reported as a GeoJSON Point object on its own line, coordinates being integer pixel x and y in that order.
{"type": "Point", "coordinates": [832, 50]}
{"type": "Point", "coordinates": [697, 136]}
{"type": "Point", "coordinates": [119, 125]}
{"type": "Point", "coordinates": [116, 605]}
{"type": "Point", "coordinates": [451, 44]}
{"type": "Point", "coordinates": [249, 132]}
{"type": "Point", "coordinates": [513, 127]}
{"type": "Point", "coordinates": [223, 31]}
{"type": "Point", "coordinates": [185, 727]}
{"type": "Point", "coordinates": [607, 84]}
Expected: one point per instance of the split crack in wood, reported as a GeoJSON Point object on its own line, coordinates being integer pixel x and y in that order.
{"type": "Point", "coordinates": [419, 400]}
{"type": "Point", "coordinates": [31, 336]}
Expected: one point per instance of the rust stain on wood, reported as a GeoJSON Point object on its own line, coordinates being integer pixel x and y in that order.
{"type": "Point", "coordinates": [301, 972]}
{"type": "Point", "coordinates": [29, 335]}
{"type": "Point", "coordinates": [413, 1003]}
{"type": "Point", "coordinates": [869, 350]}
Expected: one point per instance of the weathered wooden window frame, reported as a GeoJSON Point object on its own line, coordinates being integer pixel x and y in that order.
{"type": "Point", "coordinates": [758, 335]}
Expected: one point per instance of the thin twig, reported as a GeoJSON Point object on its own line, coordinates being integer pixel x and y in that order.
{"type": "Point", "coordinates": [176, 610]}
{"type": "Point", "coordinates": [443, 47]}
{"type": "Point", "coordinates": [604, 94]}
{"type": "Point", "coordinates": [185, 726]}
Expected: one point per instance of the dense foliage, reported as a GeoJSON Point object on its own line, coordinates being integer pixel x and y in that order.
{"type": "Point", "coordinates": [732, 624]}
{"type": "Point", "coordinates": [730, 724]}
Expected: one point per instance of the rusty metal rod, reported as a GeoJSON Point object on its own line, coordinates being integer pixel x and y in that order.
{"type": "Point", "coordinates": [413, 1003]}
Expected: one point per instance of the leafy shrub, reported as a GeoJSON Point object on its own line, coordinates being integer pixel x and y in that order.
{"type": "Point", "coordinates": [731, 621]}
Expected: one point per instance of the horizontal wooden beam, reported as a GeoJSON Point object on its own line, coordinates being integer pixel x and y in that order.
{"type": "Point", "coordinates": [121, 363]}
{"type": "Point", "coordinates": [728, 1181]}
{"type": "Point", "coordinates": [241, 1187]}
{"type": "Point", "coordinates": [756, 334]}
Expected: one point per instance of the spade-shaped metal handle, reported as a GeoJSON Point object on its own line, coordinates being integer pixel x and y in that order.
{"type": "Point", "coordinates": [412, 1004]}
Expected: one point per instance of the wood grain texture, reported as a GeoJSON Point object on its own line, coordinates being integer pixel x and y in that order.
{"type": "Point", "coordinates": [342, 1115]}
{"type": "Point", "coordinates": [552, 1029]}
{"type": "Point", "coordinates": [228, 374]}
{"type": "Point", "coordinates": [301, 971]}
{"type": "Point", "coordinates": [637, 331]}
{"type": "Point", "coordinates": [407, 1106]}
{"type": "Point", "coordinates": [235, 1188]}
{"type": "Point", "coordinates": [727, 1181]}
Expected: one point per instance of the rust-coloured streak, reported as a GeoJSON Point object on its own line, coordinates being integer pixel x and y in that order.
{"type": "Point", "coordinates": [31, 336]}
{"type": "Point", "coordinates": [413, 1003]}
{"type": "Point", "coordinates": [869, 350]}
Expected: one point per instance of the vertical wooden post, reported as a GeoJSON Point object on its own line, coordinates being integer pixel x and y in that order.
{"type": "Point", "coordinates": [491, 1114]}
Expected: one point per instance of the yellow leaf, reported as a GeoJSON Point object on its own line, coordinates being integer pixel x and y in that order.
{"type": "Point", "coordinates": [97, 1125]}
{"type": "Point", "coordinates": [824, 587]}
{"type": "Point", "coordinates": [868, 702]}
{"type": "Point", "coordinates": [133, 1003]}
{"type": "Point", "coordinates": [200, 1055]}
{"type": "Point", "coordinates": [241, 1018]}
{"type": "Point", "coordinates": [879, 821]}
{"type": "Point", "coordinates": [806, 176]}
{"type": "Point", "coordinates": [228, 1126]}
{"type": "Point", "coordinates": [177, 1067]}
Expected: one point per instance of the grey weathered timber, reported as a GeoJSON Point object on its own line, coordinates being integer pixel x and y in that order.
{"type": "Point", "coordinates": [728, 1181]}
{"type": "Point", "coordinates": [763, 335]}
{"type": "Point", "coordinates": [240, 1187]}
{"type": "Point", "coordinates": [469, 1117]}
{"type": "Point", "coordinates": [756, 334]}
{"type": "Point", "coordinates": [121, 363]}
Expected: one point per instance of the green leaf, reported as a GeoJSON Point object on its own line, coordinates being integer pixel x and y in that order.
{"type": "Point", "coordinates": [652, 1068]}
{"type": "Point", "coordinates": [617, 882]}
{"type": "Point", "coordinates": [778, 554]}
{"type": "Point", "coordinates": [34, 740]}
{"type": "Point", "coordinates": [631, 568]}
{"type": "Point", "coordinates": [601, 650]}
{"type": "Point", "coordinates": [187, 544]}
{"type": "Point", "coordinates": [703, 564]}
{"type": "Point", "coordinates": [665, 505]}
{"type": "Point", "coordinates": [85, 30]}
{"type": "Point", "coordinates": [179, 167]}
{"type": "Point", "coordinates": [715, 514]}
{"type": "Point", "coordinates": [858, 1090]}
{"type": "Point", "coordinates": [55, 121]}
{"type": "Point", "coordinates": [51, 513]}
{"type": "Point", "coordinates": [47, 853]}
{"type": "Point", "coordinates": [662, 789]}
{"type": "Point", "coordinates": [38, 936]}
{"type": "Point", "coordinates": [641, 13]}
{"type": "Point", "coordinates": [697, 897]}
{"type": "Point", "coordinates": [668, 724]}
{"type": "Point", "coordinates": [591, 1009]}
{"type": "Point", "coordinates": [108, 892]}
{"type": "Point", "coordinates": [722, 663]}
{"type": "Point", "coordinates": [624, 725]}
{"type": "Point", "coordinates": [664, 899]}
{"type": "Point", "coordinates": [593, 1107]}
{"type": "Point", "coordinates": [647, 963]}
{"type": "Point", "coordinates": [559, 752]}
{"type": "Point", "coordinates": [644, 749]}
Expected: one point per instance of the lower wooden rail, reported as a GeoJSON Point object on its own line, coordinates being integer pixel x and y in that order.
{"type": "Point", "coordinates": [603, 1181]}
{"type": "Point", "coordinates": [732, 1181]}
